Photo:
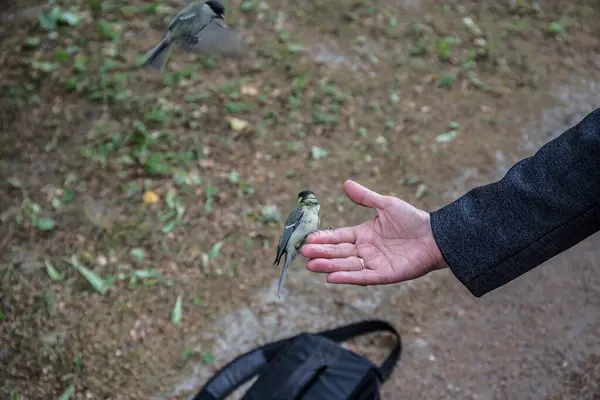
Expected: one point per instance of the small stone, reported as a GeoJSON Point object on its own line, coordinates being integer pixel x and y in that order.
{"type": "Point", "coordinates": [101, 260]}
{"type": "Point", "coordinates": [480, 42]}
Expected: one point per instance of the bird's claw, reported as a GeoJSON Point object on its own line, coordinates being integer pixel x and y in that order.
{"type": "Point", "coordinates": [307, 235]}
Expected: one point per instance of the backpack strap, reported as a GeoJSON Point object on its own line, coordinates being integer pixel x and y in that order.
{"type": "Point", "coordinates": [350, 331]}
{"type": "Point", "coordinates": [240, 370]}
{"type": "Point", "coordinates": [244, 367]}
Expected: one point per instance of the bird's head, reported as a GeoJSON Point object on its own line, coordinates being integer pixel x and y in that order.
{"type": "Point", "coordinates": [307, 197]}
{"type": "Point", "coordinates": [216, 7]}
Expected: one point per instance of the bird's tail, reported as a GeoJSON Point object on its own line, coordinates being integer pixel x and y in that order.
{"type": "Point", "coordinates": [157, 57]}
{"type": "Point", "coordinates": [289, 257]}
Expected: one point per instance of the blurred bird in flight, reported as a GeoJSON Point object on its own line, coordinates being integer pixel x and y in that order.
{"type": "Point", "coordinates": [199, 28]}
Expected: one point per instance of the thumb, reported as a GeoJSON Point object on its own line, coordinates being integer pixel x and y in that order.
{"type": "Point", "coordinates": [363, 196]}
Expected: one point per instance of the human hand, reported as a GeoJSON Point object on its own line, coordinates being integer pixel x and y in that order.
{"type": "Point", "coordinates": [396, 245]}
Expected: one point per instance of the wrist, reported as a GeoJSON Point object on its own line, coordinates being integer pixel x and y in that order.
{"type": "Point", "coordinates": [437, 258]}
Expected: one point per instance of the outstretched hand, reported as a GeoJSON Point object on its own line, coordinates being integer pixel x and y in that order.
{"type": "Point", "coordinates": [395, 246]}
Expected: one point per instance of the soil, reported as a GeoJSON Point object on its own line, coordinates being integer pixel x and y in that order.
{"type": "Point", "coordinates": [143, 179]}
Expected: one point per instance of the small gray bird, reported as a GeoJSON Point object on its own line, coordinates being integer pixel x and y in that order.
{"type": "Point", "coordinates": [198, 28]}
{"type": "Point", "coordinates": [302, 221]}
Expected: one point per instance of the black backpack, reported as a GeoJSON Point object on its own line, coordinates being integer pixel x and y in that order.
{"type": "Point", "coordinates": [308, 366]}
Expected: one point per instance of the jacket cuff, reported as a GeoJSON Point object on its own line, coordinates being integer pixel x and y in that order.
{"type": "Point", "coordinates": [445, 224]}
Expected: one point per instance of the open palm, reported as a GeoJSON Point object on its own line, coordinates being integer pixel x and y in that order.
{"type": "Point", "coordinates": [395, 246]}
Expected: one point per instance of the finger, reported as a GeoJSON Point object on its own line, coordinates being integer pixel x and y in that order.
{"type": "Point", "coordinates": [341, 250]}
{"type": "Point", "coordinates": [363, 277]}
{"type": "Point", "coordinates": [323, 265]}
{"type": "Point", "coordinates": [333, 236]}
{"type": "Point", "coordinates": [364, 196]}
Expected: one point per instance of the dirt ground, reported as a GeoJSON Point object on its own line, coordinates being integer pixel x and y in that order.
{"type": "Point", "coordinates": [139, 220]}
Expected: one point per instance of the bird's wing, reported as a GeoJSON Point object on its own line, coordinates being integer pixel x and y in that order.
{"type": "Point", "coordinates": [215, 37]}
{"type": "Point", "coordinates": [182, 15]}
{"type": "Point", "coordinates": [290, 225]}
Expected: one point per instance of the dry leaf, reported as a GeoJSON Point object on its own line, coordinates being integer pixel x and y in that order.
{"type": "Point", "coordinates": [207, 163]}
{"type": "Point", "coordinates": [249, 90]}
{"type": "Point", "coordinates": [237, 124]}
{"type": "Point", "coordinates": [150, 197]}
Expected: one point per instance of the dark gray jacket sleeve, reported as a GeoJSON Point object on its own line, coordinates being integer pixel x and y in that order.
{"type": "Point", "coordinates": [544, 205]}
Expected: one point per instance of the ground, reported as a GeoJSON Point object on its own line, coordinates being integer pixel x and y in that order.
{"type": "Point", "coordinates": [140, 212]}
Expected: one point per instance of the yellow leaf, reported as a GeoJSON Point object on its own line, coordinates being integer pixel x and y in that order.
{"type": "Point", "coordinates": [150, 197]}
{"type": "Point", "coordinates": [237, 124]}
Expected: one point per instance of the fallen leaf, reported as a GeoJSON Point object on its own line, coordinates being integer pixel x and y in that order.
{"type": "Point", "coordinates": [249, 90]}
{"type": "Point", "coordinates": [446, 137]}
{"type": "Point", "coordinates": [234, 177]}
{"type": "Point", "coordinates": [206, 163]}
{"type": "Point", "coordinates": [52, 272]}
{"type": "Point", "coordinates": [214, 251]}
{"type": "Point", "coordinates": [472, 27]}
{"type": "Point", "coordinates": [45, 224]}
{"type": "Point", "coordinates": [318, 153]}
{"type": "Point", "coordinates": [67, 393]}
{"type": "Point", "coordinates": [237, 124]}
{"type": "Point", "coordinates": [96, 281]}
{"type": "Point", "coordinates": [14, 182]}
{"type": "Point", "coordinates": [177, 311]}
{"type": "Point", "coordinates": [422, 190]}
{"type": "Point", "coordinates": [137, 253]}
{"type": "Point", "coordinates": [150, 197]}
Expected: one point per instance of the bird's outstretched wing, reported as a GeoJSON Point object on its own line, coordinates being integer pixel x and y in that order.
{"type": "Point", "coordinates": [290, 225]}
{"type": "Point", "coordinates": [215, 37]}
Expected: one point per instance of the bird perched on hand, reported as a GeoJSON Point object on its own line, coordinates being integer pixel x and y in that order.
{"type": "Point", "coordinates": [198, 28]}
{"type": "Point", "coordinates": [302, 221]}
